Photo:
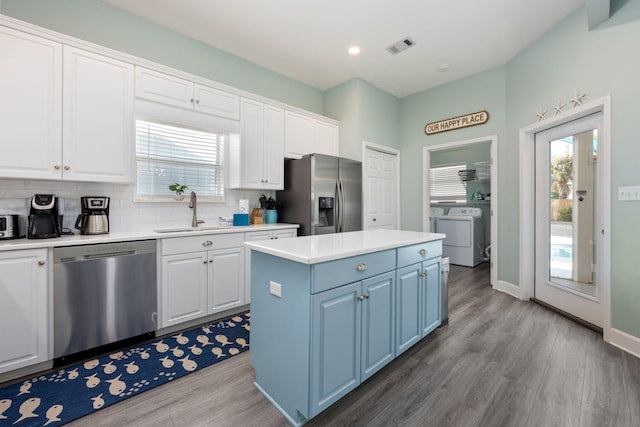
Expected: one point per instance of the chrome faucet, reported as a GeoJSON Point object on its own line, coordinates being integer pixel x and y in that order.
{"type": "Point", "coordinates": [192, 204]}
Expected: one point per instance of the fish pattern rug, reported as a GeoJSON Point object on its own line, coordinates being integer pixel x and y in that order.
{"type": "Point", "coordinates": [67, 394]}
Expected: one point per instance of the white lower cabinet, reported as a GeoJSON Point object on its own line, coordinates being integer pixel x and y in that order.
{"type": "Point", "coordinates": [200, 275]}
{"type": "Point", "coordinates": [23, 308]}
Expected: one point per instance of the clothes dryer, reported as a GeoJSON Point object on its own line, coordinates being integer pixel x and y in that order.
{"type": "Point", "coordinates": [464, 244]}
{"type": "Point", "coordinates": [434, 214]}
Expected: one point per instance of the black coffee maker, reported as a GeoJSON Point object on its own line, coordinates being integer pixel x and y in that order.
{"type": "Point", "coordinates": [45, 219]}
{"type": "Point", "coordinates": [94, 217]}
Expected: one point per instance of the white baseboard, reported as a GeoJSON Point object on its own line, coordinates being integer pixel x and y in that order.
{"type": "Point", "coordinates": [624, 341]}
{"type": "Point", "coordinates": [507, 288]}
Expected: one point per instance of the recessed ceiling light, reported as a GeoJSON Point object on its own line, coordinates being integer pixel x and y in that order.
{"type": "Point", "coordinates": [444, 67]}
{"type": "Point", "coordinates": [354, 50]}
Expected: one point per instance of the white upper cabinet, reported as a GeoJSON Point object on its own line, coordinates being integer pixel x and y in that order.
{"type": "Point", "coordinates": [326, 141]}
{"type": "Point", "coordinates": [31, 106]}
{"type": "Point", "coordinates": [256, 158]}
{"type": "Point", "coordinates": [307, 134]}
{"type": "Point", "coordinates": [98, 118]}
{"type": "Point", "coordinates": [67, 113]}
{"type": "Point", "coordinates": [171, 90]}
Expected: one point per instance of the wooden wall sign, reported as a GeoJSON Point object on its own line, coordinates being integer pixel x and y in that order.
{"type": "Point", "coordinates": [473, 119]}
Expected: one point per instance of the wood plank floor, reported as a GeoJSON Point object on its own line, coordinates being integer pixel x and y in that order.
{"type": "Point", "coordinates": [499, 362]}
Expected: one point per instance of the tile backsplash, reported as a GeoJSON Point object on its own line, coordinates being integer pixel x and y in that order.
{"type": "Point", "coordinates": [124, 213]}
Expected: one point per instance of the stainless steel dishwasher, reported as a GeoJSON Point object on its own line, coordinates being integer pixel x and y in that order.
{"type": "Point", "coordinates": [103, 293]}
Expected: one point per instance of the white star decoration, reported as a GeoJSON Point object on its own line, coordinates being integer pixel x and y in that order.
{"type": "Point", "coordinates": [558, 108]}
{"type": "Point", "coordinates": [541, 114]}
{"type": "Point", "coordinates": [577, 98]}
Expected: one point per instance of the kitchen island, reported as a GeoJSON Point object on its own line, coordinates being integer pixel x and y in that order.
{"type": "Point", "coordinates": [329, 311]}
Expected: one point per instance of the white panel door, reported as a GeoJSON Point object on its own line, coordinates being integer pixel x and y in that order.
{"type": "Point", "coordinates": [381, 190]}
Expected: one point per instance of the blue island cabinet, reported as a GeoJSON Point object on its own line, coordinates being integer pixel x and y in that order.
{"type": "Point", "coordinates": [320, 330]}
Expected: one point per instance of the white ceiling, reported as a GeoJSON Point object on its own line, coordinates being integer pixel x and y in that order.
{"type": "Point", "coordinates": [308, 40]}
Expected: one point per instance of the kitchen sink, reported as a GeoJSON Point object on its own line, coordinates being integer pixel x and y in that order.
{"type": "Point", "coordinates": [188, 229]}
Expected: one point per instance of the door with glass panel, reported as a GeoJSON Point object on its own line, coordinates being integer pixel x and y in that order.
{"type": "Point", "coordinates": [567, 218]}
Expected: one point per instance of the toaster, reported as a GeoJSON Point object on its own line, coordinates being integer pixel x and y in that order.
{"type": "Point", "coordinates": [9, 228]}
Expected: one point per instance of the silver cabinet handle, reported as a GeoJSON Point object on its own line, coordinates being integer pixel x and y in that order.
{"type": "Point", "coordinates": [361, 297]}
{"type": "Point", "coordinates": [67, 167]}
{"type": "Point", "coordinates": [366, 296]}
{"type": "Point", "coordinates": [41, 262]}
{"type": "Point", "coordinates": [204, 262]}
{"type": "Point", "coordinates": [56, 167]}
{"type": "Point", "coordinates": [374, 220]}
{"type": "Point", "coordinates": [422, 252]}
{"type": "Point", "coordinates": [197, 101]}
{"type": "Point", "coordinates": [362, 266]}
{"type": "Point", "coordinates": [207, 243]}
{"type": "Point", "coordinates": [192, 100]}
{"type": "Point", "coordinates": [210, 261]}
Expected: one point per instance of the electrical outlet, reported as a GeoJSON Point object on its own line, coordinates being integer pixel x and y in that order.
{"type": "Point", "coordinates": [275, 289]}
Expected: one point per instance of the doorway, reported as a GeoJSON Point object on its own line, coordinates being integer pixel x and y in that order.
{"type": "Point", "coordinates": [487, 188]}
{"type": "Point", "coordinates": [566, 170]}
{"type": "Point", "coordinates": [381, 186]}
{"type": "Point", "coordinates": [602, 210]}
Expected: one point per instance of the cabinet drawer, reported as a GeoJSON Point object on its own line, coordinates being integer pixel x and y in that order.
{"type": "Point", "coordinates": [331, 274]}
{"type": "Point", "coordinates": [180, 245]}
{"type": "Point", "coordinates": [408, 255]}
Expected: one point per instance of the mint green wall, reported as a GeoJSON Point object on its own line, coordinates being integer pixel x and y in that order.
{"type": "Point", "coordinates": [482, 91]}
{"type": "Point", "coordinates": [366, 113]}
{"type": "Point", "coordinates": [598, 62]}
{"type": "Point", "coordinates": [103, 24]}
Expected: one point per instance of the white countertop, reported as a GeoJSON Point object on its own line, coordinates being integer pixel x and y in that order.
{"type": "Point", "coordinates": [126, 236]}
{"type": "Point", "coordinates": [329, 247]}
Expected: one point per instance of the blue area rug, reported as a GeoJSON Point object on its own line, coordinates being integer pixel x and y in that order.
{"type": "Point", "coordinates": [67, 394]}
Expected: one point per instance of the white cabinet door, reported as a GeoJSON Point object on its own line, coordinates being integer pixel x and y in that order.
{"type": "Point", "coordinates": [23, 309]}
{"type": "Point", "coordinates": [31, 106]}
{"type": "Point", "coordinates": [163, 88]}
{"type": "Point", "coordinates": [298, 135]}
{"type": "Point", "coordinates": [98, 118]}
{"type": "Point", "coordinates": [326, 141]}
{"type": "Point", "coordinates": [183, 287]}
{"type": "Point", "coordinates": [273, 148]}
{"type": "Point", "coordinates": [216, 102]}
{"type": "Point", "coordinates": [256, 160]}
{"type": "Point", "coordinates": [251, 151]}
{"type": "Point", "coordinates": [226, 279]}
{"type": "Point", "coordinates": [171, 90]}
{"type": "Point", "coordinates": [306, 135]}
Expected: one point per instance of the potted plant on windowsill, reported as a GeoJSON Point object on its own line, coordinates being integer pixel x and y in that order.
{"type": "Point", "coordinates": [179, 190]}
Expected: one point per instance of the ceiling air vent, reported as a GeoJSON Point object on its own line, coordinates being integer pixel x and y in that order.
{"type": "Point", "coordinates": [398, 47]}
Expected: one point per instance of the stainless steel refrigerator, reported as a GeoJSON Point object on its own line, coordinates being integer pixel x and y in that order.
{"type": "Point", "coordinates": [322, 193]}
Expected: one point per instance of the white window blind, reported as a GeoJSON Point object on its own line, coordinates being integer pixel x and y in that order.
{"type": "Point", "coordinates": [166, 154]}
{"type": "Point", "coordinates": [445, 183]}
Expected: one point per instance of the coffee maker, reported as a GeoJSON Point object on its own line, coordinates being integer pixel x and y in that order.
{"type": "Point", "coordinates": [94, 217]}
{"type": "Point", "coordinates": [45, 219]}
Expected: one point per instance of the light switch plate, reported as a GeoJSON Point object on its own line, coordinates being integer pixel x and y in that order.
{"type": "Point", "coordinates": [629, 193]}
{"type": "Point", "coordinates": [275, 289]}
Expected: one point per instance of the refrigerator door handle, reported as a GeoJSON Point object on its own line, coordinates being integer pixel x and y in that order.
{"type": "Point", "coordinates": [336, 210]}
{"type": "Point", "coordinates": [341, 206]}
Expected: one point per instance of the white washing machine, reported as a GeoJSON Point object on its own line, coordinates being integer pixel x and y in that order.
{"type": "Point", "coordinates": [434, 214]}
{"type": "Point", "coordinates": [464, 244]}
